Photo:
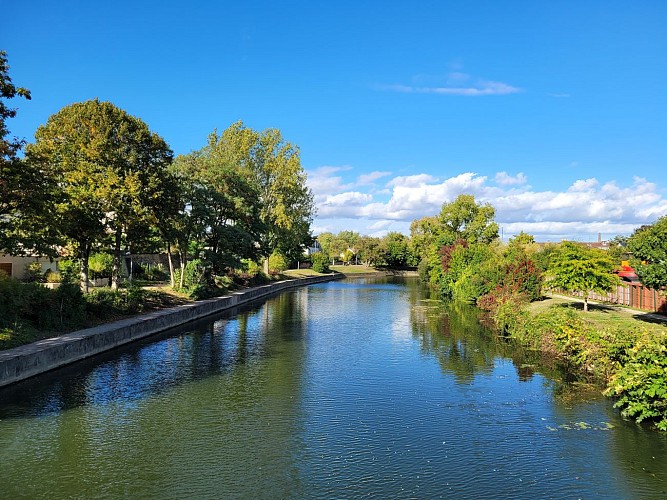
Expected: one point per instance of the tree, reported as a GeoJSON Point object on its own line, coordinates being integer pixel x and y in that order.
{"type": "Point", "coordinates": [24, 192]}
{"type": "Point", "coordinates": [273, 167]}
{"type": "Point", "coordinates": [110, 170]}
{"type": "Point", "coordinates": [648, 246]}
{"type": "Point", "coordinates": [618, 248]}
{"type": "Point", "coordinates": [578, 268]}
{"type": "Point", "coordinates": [395, 247]}
{"type": "Point", "coordinates": [465, 219]}
{"type": "Point", "coordinates": [222, 208]}
{"type": "Point", "coordinates": [368, 249]}
{"type": "Point", "coordinates": [462, 220]}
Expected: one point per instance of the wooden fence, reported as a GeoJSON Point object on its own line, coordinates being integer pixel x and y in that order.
{"type": "Point", "coordinates": [633, 295]}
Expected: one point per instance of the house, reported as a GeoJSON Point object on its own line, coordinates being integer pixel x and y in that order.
{"type": "Point", "coordinates": [15, 266]}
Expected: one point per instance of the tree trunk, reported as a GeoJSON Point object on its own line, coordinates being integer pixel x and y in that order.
{"type": "Point", "coordinates": [115, 273]}
{"type": "Point", "coordinates": [171, 266]}
{"type": "Point", "coordinates": [585, 303]}
{"type": "Point", "coordinates": [266, 265]}
{"type": "Point", "coordinates": [184, 256]}
{"type": "Point", "coordinates": [85, 255]}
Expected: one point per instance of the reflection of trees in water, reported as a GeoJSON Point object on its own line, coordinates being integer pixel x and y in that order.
{"type": "Point", "coordinates": [455, 333]}
{"type": "Point", "coordinates": [207, 348]}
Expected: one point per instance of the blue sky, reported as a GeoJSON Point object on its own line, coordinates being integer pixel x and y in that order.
{"type": "Point", "coordinates": [554, 112]}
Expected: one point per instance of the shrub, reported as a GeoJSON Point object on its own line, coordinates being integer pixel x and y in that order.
{"type": "Point", "coordinates": [33, 273]}
{"type": "Point", "coordinates": [641, 383]}
{"type": "Point", "coordinates": [69, 271]}
{"type": "Point", "coordinates": [155, 272]}
{"type": "Point", "coordinates": [52, 277]}
{"type": "Point", "coordinates": [320, 262]}
{"type": "Point", "coordinates": [100, 265]}
{"type": "Point", "coordinates": [277, 262]}
{"type": "Point", "coordinates": [104, 303]}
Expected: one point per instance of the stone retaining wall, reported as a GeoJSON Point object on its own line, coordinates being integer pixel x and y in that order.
{"type": "Point", "coordinates": [39, 357]}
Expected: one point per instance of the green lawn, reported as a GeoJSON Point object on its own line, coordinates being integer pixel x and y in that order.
{"type": "Point", "coordinates": [604, 315]}
{"type": "Point", "coordinates": [352, 269]}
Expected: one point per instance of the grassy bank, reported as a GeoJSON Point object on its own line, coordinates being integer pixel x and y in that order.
{"type": "Point", "coordinates": [31, 312]}
{"type": "Point", "coordinates": [623, 350]}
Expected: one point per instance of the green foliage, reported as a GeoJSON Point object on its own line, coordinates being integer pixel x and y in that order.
{"type": "Point", "coordinates": [198, 280]}
{"type": "Point", "coordinates": [641, 383]}
{"type": "Point", "coordinates": [100, 265]}
{"type": "Point", "coordinates": [320, 262]}
{"type": "Point", "coordinates": [69, 271]}
{"type": "Point", "coordinates": [440, 245]}
{"type": "Point", "coordinates": [154, 272]}
{"type": "Point", "coordinates": [33, 272]}
{"type": "Point", "coordinates": [648, 246]}
{"type": "Point", "coordinates": [104, 303]}
{"type": "Point", "coordinates": [26, 307]}
{"type": "Point", "coordinates": [277, 263]}
{"type": "Point", "coordinates": [52, 277]}
{"type": "Point", "coordinates": [577, 268]}
{"type": "Point", "coordinates": [465, 219]}
{"type": "Point", "coordinates": [109, 169]}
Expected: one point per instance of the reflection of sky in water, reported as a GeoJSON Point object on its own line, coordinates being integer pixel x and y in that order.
{"type": "Point", "coordinates": [339, 390]}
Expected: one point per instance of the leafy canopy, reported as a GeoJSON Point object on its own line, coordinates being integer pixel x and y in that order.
{"type": "Point", "coordinates": [648, 246]}
{"type": "Point", "coordinates": [578, 268]}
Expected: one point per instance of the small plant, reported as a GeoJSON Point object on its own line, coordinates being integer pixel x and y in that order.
{"type": "Point", "coordinates": [277, 263]}
{"type": "Point", "coordinates": [52, 277]}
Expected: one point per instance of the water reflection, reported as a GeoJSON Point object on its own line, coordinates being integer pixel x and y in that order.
{"type": "Point", "coordinates": [361, 388]}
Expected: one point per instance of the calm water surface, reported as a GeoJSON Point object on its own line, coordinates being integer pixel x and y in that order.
{"type": "Point", "coordinates": [340, 390]}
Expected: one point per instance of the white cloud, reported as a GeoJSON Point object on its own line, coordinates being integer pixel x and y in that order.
{"type": "Point", "coordinates": [585, 207]}
{"type": "Point", "coordinates": [367, 179]}
{"type": "Point", "coordinates": [480, 88]}
{"type": "Point", "coordinates": [411, 180]}
{"type": "Point", "coordinates": [504, 179]}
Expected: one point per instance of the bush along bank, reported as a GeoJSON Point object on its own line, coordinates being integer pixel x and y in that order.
{"type": "Point", "coordinates": [631, 362]}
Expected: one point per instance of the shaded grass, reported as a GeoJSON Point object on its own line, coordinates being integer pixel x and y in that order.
{"type": "Point", "coordinates": [352, 269]}
{"type": "Point", "coordinates": [601, 316]}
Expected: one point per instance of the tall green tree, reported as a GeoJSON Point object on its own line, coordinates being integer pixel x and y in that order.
{"type": "Point", "coordinates": [463, 222]}
{"type": "Point", "coordinates": [467, 220]}
{"type": "Point", "coordinates": [287, 203]}
{"type": "Point", "coordinates": [578, 268]}
{"type": "Point", "coordinates": [648, 247]}
{"type": "Point", "coordinates": [273, 168]}
{"type": "Point", "coordinates": [24, 191]}
{"type": "Point", "coordinates": [111, 171]}
{"type": "Point", "coordinates": [222, 208]}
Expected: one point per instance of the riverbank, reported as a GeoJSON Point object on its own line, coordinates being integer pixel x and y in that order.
{"type": "Point", "coordinates": [624, 350]}
{"type": "Point", "coordinates": [44, 355]}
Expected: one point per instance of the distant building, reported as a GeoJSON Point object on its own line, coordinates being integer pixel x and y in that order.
{"type": "Point", "coordinates": [602, 245]}
{"type": "Point", "coordinates": [313, 249]}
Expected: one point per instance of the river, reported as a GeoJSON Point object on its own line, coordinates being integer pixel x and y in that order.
{"type": "Point", "coordinates": [357, 388]}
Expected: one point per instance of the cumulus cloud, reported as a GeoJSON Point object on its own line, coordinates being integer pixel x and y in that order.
{"type": "Point", "coordinates": [585, 207]}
